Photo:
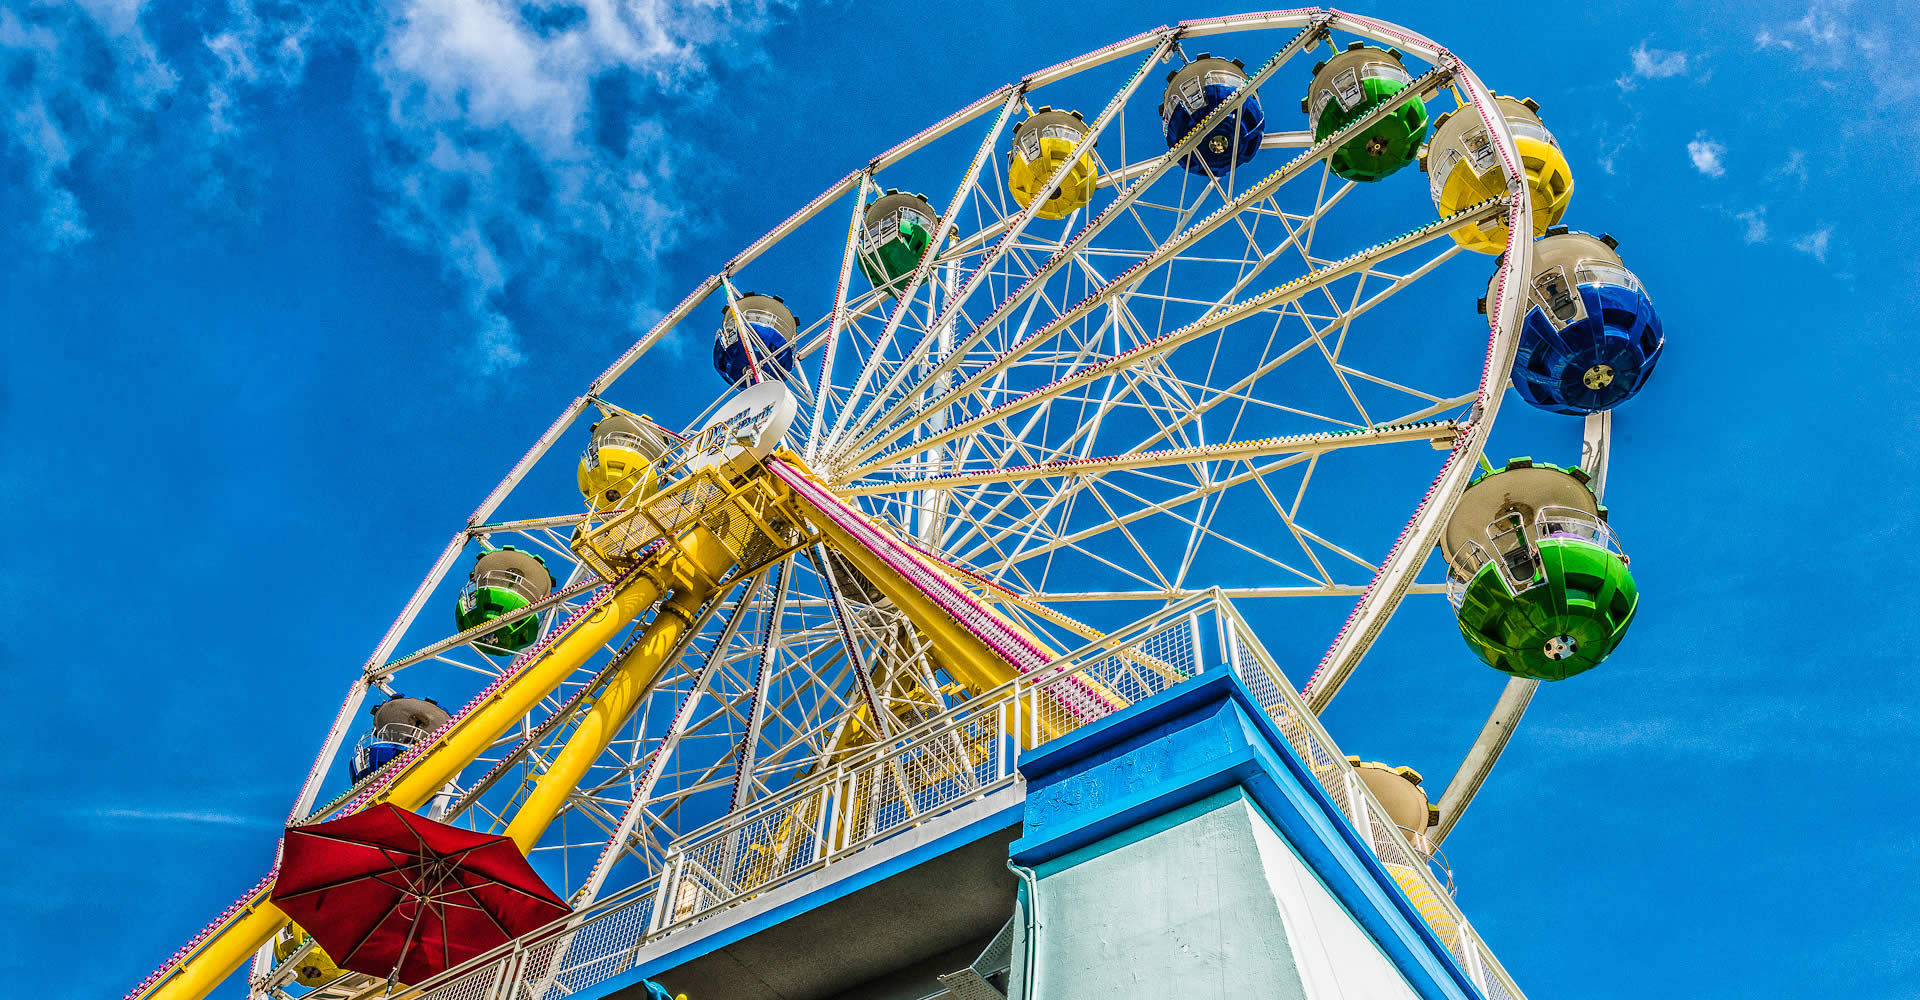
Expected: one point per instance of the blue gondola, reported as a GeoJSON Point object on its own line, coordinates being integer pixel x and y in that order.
{"type": "Point", "coordinates": [1591, 336]}
{"type": "Point", "coordinates": [771, 327]}
{"type": "Point", "coordinates": [1193, 91]}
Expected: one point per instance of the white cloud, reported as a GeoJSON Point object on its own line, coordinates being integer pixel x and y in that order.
{"type": "Point", "coordinates": [57, 102]}
{"type": "Point", "coordinates": [1815, 243]}
{"type": "Point", "coordinates": [1794, 167]}
{"type": "Point", "coordinates": [1756, 220]}
{"type": "Point", "coordinates": [1858, 59]}
{"type": "Point", "coordinates": [493, 154]}
{"type": "Point", "coordinates": [254, 50]}
{"type": "Point", "coordinates": [530, 147]}
{"type": "Point", "coordinates": [1615, 139]}
{"type": "Point", "coordinates": [1652, 64]}
{"type": "Point", "coordinates": [1707, 155]}
{"type": "Point", "coordinates": [1658, 64]}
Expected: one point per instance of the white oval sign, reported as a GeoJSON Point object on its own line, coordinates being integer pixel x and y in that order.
{"type": "Point", "coordinates": [749, 426]}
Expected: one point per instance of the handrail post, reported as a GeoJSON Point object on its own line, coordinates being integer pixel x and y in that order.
{"type": "Point", "coordinates": [1358, 812]}
{"type": "Point", "coordinates": [502, 986]}
{"type": "Point", "coordinates": [1003, 743]}
{"type": "Point", "coordinates": [669, 881]}
{"type": "Point", "coordinates": [841, 802]}
{"type": "Point", "coordinates": [1193, 630]}
{"type": "Point", "coordinates": [820, 825]}
{"type": "Point", "coordinates": [1469, 949]}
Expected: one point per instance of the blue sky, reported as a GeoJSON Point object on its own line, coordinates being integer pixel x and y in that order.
{"type": "Point", "coordinates": [287, 286]}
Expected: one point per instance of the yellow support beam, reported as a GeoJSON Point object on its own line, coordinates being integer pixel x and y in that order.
{"type": "Point", "coordinates": [258, 920]}
{"type": "Point", "coordinates": [963, 655]}
{"type": "Point", "coordinates": [694, 574]}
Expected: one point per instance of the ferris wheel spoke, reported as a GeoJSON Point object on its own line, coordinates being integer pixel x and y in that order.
{"type": "Point", "coordinates": [1248, 472]}
{"type": "Point", "coordinates": [945, 228]}
{"type": "Point", "coordinates": [1278, 297]}
{"type": "Point", "coordinates": [1146, 560]}
{"type": "Point", "coordinates": [1173, 514]}
{"type": "Point", "coordinates": [1287, 515]}
{"type": "Point", "coordinates": [1240, 391]}
{"type": "Point", "coordinates": [837, 319]}
{"type": "Point", "coordinates": [1333, 363]}
{"type": "Point", "coordinates": [1300, 444]}
{"type": "Point", "coordinates": [1121, 203]}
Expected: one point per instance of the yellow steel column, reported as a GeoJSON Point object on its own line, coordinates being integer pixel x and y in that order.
{"type": "Point", "coordinates": [695, 573]}
{"type": "Point", "coordinates": [477, 731]}
{"type": "Point", "coordinates": [967, 659]}
{"type": "Point", "coordinates": [956, 649]}
{"type": "Point", "coordinates": [232, 945]}
{"type": "Point", "coordinates": [230, 948]}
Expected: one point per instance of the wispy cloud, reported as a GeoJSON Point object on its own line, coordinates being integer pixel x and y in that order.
{"type": "Point", "coordinates": [1794, 167]}
{"type": "Point", "coordinates": [253, 49]}
{"type": "Point", "coordinates": [75, 78]}
{"type": "Point", "coordinates": [539, 151]}
{"type": "Point", "coordinates": [1616, 137]}
{"type": "Point", "coordinates": [1721, 726]}
{"type": "Point", "coordinates": [1815, 243]}
{"type": "Point", "coordinates": [1756, 220]}
{"type": "Point", "coordinates": [519, 141]}
{"type": "Point", "coordinates": [1652, 64]}
{"type": "Point", "coordinates": [1854, 54]}
{"type": "Point", "coordinates": [176, 816]}
{"type": "Point", "coordinates": [1708, 156]}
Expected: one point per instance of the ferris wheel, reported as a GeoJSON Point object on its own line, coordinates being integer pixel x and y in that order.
{"type": "Point", "coordinates": [1149, 334]}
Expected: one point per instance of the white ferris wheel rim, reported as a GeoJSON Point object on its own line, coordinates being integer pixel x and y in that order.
{"type": "Point", "coordinates": [1377, 601]}
{"type": "Point", "coordinates": [1381, 596]}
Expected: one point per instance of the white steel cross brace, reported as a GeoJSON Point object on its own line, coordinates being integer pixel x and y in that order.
{"type": "Point", "coordinates": [881, 435]}
{"type": "Point", "coordinates": [958, 298]}
{"type": "Point", "coordinates": [1152, 172]}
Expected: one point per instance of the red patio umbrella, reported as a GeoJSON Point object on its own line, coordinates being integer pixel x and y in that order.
{"type": "Point", "coordinates": [399, 896]}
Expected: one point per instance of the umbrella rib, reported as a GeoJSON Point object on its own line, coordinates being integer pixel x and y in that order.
{"type": "Point", "coordinates": [322, 888]}
{"type": "Point", "coordinates": [489, 914]}
{"type": "Point", "coordinates": [437, 881]}
{"type": "Point", "coordinates": [368, 936]}
{"type": "Point", "coordinates": [401, 959]}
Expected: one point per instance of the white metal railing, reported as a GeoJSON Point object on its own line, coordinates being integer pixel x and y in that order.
{"type": "Point", "coordinates": [886, 229]}
{"type": "Point", "coordinates": [1514, 545]}
{"type": "Point", "coordinates": [505, 579]}
{"type": "Point", "coordinates": [393, 732]}
{"type": "Point", "coordinates": [944, 763]}
{"type": "Point", "coordinates": [1436, 858]}
{"type": "Point", "coordinates": [616, 439]}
